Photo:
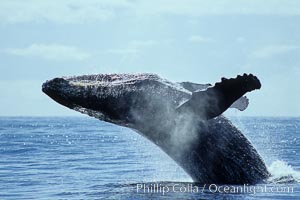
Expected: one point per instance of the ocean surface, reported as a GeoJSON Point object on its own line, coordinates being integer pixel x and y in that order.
{"type": "Point", "coordinates": [84, 158]}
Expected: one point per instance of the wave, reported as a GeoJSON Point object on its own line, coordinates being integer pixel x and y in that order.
{"type": "Point", "coordinates": [282, 172]}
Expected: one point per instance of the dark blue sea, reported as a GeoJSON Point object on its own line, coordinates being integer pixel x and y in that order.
{"type": "Point", "coordinates": [84, 158]}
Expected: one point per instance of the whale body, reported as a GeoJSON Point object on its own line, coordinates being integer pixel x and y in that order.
{"type": "Point", "coordinates": [184, 119]}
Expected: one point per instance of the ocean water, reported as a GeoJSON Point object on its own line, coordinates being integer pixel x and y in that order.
{"type": "Point", "coordinates": [84, 158]}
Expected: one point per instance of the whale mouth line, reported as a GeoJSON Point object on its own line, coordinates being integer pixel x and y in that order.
{"type": "Point", "coordinates": [99, 115]}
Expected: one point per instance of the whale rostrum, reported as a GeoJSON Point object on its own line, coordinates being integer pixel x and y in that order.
{"type": "Point", "coordinates": [184, 119]}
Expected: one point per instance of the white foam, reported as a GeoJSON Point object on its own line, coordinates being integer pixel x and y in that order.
{"type": "Point", "coordinates": [280, 169]}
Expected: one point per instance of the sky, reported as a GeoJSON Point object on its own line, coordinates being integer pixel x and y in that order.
{"type": "Point", "coordinates": [192, 40]}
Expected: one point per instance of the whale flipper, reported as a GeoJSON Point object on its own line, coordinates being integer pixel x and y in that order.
{"type": "Point", "coordinates": [241, 104]}
{"type": "Point", "coordinates": [213, 101]}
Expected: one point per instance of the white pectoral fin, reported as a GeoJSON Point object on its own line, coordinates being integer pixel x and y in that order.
{"type": "Point", "coordinates": [241, 104]}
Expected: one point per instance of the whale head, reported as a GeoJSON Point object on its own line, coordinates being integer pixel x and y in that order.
{"type": "Point", "coordinates": [122, 99]}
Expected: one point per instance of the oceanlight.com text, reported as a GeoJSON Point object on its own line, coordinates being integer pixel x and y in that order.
{"type": "Point", "coordinates": [160, 188]}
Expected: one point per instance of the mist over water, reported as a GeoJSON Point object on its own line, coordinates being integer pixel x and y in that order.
{"type": "Point", "coordinates": [84, 158]}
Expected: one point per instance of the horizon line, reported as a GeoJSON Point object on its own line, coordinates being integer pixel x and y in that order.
{"type": "Point", "coordinates": [274, 116]}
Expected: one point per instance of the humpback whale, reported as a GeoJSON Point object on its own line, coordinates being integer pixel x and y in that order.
{"type": "Point", "coordinates": [184, 119]}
